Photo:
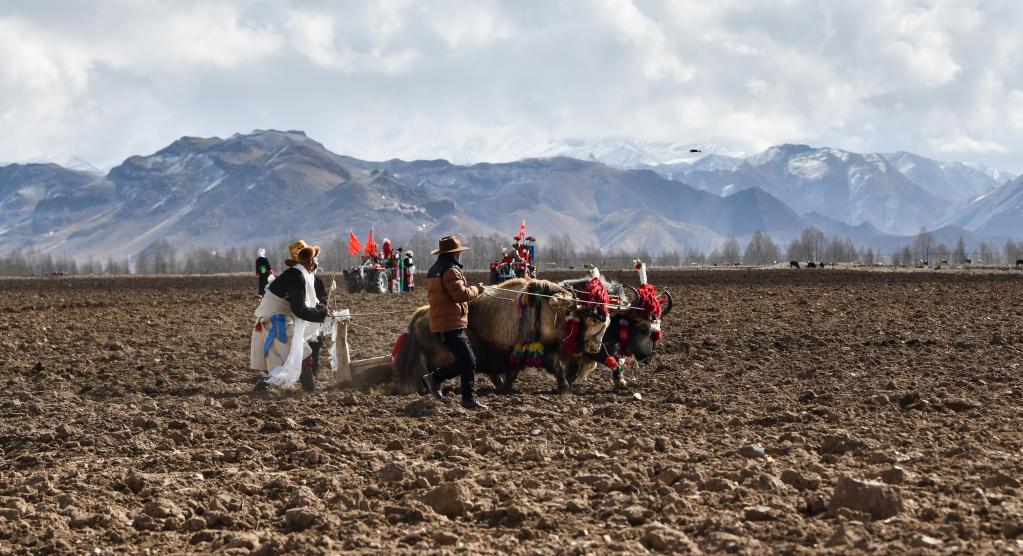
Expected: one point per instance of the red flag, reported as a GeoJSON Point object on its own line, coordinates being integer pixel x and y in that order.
{"type": "Point", "coordinates": [522, 230]}
{"type": "Point", "coordinates": [354, 245]}
{"type": "Point", "coordinates": [371, 246]}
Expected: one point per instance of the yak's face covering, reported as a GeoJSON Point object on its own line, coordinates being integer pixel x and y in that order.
{"type": "Point", "coordinates": [639, 326]}
{"type": "Point", "coordinates": [593, 326]}
{"type": "Point", "coordinates": [643, 334]}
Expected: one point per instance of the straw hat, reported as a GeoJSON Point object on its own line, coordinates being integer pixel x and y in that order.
{"type": "Point", "coordinates": [301, 252]}
{"type": "Point", "coordinates": [449, 244]}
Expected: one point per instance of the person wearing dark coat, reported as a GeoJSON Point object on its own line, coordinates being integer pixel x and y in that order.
{"type": "Point", "coordinates": [263, 270]}
{"type": "Point", "coordinates": [449, 299]}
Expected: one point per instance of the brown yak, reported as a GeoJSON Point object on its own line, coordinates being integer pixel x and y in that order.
{"type": "Point", "coordinates": [497, 322]}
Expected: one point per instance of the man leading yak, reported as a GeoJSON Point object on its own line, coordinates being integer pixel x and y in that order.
{"type": "Point", "coordinates": [449, 299]}
{"type": "Point", "coordinates": [293, 300]}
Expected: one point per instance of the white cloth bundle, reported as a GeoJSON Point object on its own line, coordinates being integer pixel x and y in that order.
{"type": "Point", "coordinates": [329, 329]}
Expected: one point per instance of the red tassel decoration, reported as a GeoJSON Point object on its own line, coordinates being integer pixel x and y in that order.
{"type": "Point", "coordinates": [623, 338]}
{"type": "Point", "coordinates": [648, 301]}
{"type": "Point", "coordinates": [396, 350]}
{"type": "Point", "coordinates": [571, 336]}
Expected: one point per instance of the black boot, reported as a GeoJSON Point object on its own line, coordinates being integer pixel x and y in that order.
{"type": "Point", "coordinates": [431, 385]}
{"type": "Point", "coordinates": [470, 402]}
{"type": "Point", "coordinates": [306, 378]}
{"type": "Point", "coordinates": [260, 388]}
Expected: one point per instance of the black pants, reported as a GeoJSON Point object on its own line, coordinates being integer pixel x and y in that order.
{"type": "Point", "coordinates": [263, 280]}
{"type": "Point", "coordinates": [310, 367]}
{"type": "Point", "coordinates": [464, 364]}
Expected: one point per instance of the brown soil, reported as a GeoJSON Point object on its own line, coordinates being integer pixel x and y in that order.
{"type": "Point", "coordinates": [126, 426]}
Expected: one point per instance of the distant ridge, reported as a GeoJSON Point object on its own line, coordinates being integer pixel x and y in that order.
{"type": "Point", "coordinates": [268, 186]}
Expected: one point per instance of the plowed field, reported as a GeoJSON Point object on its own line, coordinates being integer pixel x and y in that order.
{"type": "Point", "coordinates": [786, 411]}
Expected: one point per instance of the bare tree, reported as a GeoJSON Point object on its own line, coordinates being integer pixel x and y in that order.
{"type": "Point", "coordinates": [987, 253]}
{"type": "Point", "coordinates": [922, 245]}
{"type": "Point", "coordinates": [1012, 251]}
{"type": "Point", "coordinates": [730, 251]}
{"type": "Point", "coordinates": [867, 257]}
{"type": "Point", "coordinates": [813, 243]}
{"type": "Point", "coordinates": [761, 249]}
{"type": "Point", "coordinates": [959, 253]}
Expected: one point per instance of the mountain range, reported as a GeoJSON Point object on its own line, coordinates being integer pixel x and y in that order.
{"type": "Point", "coordinates": [267, 186]}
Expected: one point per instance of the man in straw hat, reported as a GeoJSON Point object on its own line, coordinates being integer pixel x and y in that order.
{"type": "Point", "coordinates": [449, 316]}
{"type": "Point", "coordinates": [296, 293]}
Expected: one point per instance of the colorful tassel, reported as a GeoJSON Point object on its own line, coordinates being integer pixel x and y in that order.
{"type": "Point", "coordinates": [528, 355]}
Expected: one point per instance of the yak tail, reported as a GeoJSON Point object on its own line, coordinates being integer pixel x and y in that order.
{"type": "Point", "coordinates": [410, 364]}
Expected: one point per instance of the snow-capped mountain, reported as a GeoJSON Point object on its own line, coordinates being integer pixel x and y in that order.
{"type": "Point", "coordinates": [269, 185]}
{"type": "Point", "coordinates": [266, 186]}
{"type": "Point", "coordinates": [630, 154]}
{"type": "Point", "coordinates": [998, 212]}
{"type": "Point", "coordinates": [842, 185]}
{"type": "Point", "coordinates": [951, 181]}
{"type": "Point", "coordinates": [69, 161]}
{"type": "Point", "coordinates": [38, 199]}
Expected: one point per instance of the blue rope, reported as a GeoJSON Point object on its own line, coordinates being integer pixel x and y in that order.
{"type": "Point", "coordinates": [278, 325]}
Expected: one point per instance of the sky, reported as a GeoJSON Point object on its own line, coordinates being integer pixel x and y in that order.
{"type": "Point", "coordinates": [490, 80]}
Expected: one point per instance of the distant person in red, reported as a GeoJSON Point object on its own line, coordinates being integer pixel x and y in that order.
{"type": "Point", "coordinates": [263, 271]}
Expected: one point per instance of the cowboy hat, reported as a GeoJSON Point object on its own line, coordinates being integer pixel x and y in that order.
{"type": "Point", "coordinates": [449, 244]}
{"type": "Point", "coordinates": [296, 251]}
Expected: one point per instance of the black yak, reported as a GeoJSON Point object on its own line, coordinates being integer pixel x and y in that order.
{"type": "Point", "coordinates": [633, 331]}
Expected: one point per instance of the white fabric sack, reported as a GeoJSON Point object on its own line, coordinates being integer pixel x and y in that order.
{"type": "Point", "coordinates": [331, 330]}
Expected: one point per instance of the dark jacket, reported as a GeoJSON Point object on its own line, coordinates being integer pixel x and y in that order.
{"type": "Point", "coordinates": [448, 295]}
{"type": "Point", "coordinates": [290, 286]}
{"type": "Point", "coordinates": [263, 267]}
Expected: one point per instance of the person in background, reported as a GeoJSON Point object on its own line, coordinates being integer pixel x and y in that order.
{"type": "Point", "coordinates": [409, 268]}
{"type": "Point", "coordinates": [263, 270]}
{"type": "Point", "coordinates": [449, 299]}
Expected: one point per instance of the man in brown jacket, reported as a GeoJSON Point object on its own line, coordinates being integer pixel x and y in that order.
{"type": "Point", "coordinates": [449, 316]}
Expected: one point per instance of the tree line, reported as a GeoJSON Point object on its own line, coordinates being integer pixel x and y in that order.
{"type": "Point", "coordinates": [557, 252]}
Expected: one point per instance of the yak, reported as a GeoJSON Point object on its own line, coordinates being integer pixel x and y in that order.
{"type": "Point", "coordinates": [633, 331]}
{"type": "Point", "coordinates": [498, 322]}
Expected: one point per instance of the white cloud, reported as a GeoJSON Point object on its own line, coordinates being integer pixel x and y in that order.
{"type": "Point", "coordinates": [490, 78]}
{"type": "Point", "coordinates": [652, 51]}
{"type": "Point", "coordinates": [1016, 110]}
{"type": "Point", "coordinates": [966, 144]}
{"type": "Point", "coordinates": [313, 35]}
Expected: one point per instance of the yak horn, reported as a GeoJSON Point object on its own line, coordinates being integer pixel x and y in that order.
{"type": "Point", "coordinates": [666, 310]}
{"type": "Point", "coordinates": [635, 295]}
